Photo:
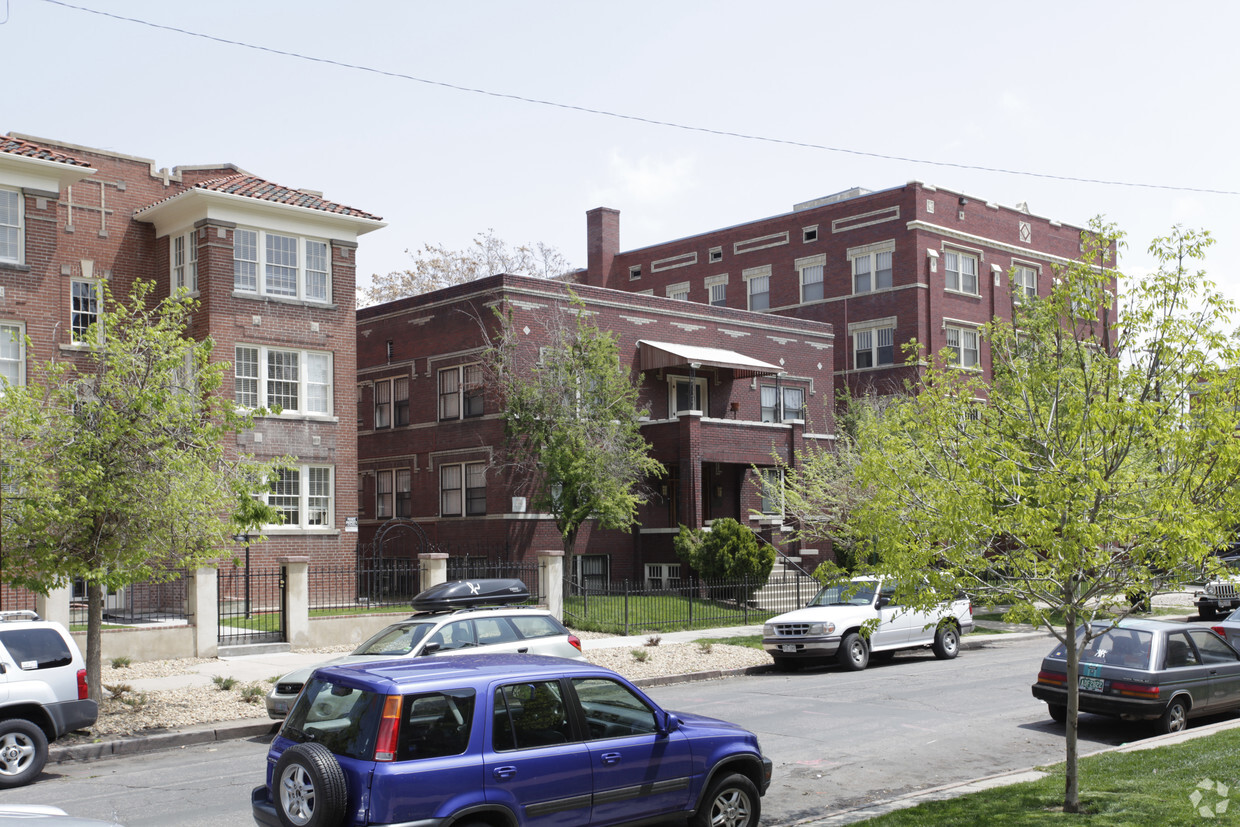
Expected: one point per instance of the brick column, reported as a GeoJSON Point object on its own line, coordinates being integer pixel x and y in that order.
{"type": "Point", "coordinates": [296, 600]}
{"type": "Point", "coordinates": [690, 447]}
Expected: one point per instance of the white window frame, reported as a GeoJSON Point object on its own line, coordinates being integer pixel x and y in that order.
{"type": "Point", "coordinates": [306, 250]}
{"type": "Point", "coordinates": [78, 331]}
{"type": "Point", "coordinates": [15, 229]}
{"type": "Point", "coordinates": [307, 503]}
{"type": "Point", "coordinates": [701, 388]}
{"type": "Point", "coordinates": [812, 270]}
{"type": "Point", "coordinates": [306, 386]}
{"type": "Point", "coordinates": [465, 473]}
{"type": "Point", "coordinates": [867, 337]}
{"type": "Point", "coordinates": [1025, 280]}
{"type": "Point", "coordinates": [757, 276]}
{"type": "Point", "coordinates": [868, 257]}
{"type": "Point", "coordinates": [12, 353]}
{"type": "Point", "coordinates": [635, 272]}
{"type": "Point", "coordinates": [183, 261]}
{"type": "Point", "coordinates": [771, 478]}
{"type": "Point", "coordinates": [717, 290]}
{"type": "Point", "coordinates": [962, 334]}
{"type": "Point", "coordinates": [954, 277]}
{"type": "Point", "coordinates": [662, 575]}
{"type": "Point", "coordinates": [715, 254]}
{"type": "Point", "coordinates": [678, 291]}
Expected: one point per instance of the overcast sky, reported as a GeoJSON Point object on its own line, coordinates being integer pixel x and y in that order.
{"type": "Point", "coordinates": [1133, 91]}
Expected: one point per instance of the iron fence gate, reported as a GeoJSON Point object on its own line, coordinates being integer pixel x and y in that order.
{"type": "Point", "coordinates": [253, 603]}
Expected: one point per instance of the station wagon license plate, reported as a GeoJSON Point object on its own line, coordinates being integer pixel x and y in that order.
{"type": "Point", "coordinates": [788, 647]}
{"type": "Point", "coordinates": [1089, 684]}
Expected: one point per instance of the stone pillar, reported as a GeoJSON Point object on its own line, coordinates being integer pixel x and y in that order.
{"type": "Point", "coordinates": [202, 609]}
{"type": "Point", "coordinates": [434, 568]}
{"type": "Point", "coordinates": [551, 580]}
{"type": "Point", "coordinates": [296, 600]}
{"type": "Point", "coordinates": [55, 605]}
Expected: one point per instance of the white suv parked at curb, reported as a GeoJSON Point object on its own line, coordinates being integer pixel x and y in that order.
{"type": "Point", "coordinates": [42, 693]}
{"type": "Point", "coordinates": [831, 626]}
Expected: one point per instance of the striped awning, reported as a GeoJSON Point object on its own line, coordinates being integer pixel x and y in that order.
{"type": "Point", "coordinates": [655, 355]}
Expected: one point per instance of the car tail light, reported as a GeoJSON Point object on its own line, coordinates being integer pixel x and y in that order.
{"type": "Point", "coordinates": [575, 641]}
{"type": "Point", "coordinates": [389, 730]}
{"type": "Point", "coordinates": [1053, 678]}
{"type": "Point", "coordinates": [1135, 690]}
{"type": "Point", "coordinates": [1220, 631]}
{"type": "Point", "coordinates": [83, 689]}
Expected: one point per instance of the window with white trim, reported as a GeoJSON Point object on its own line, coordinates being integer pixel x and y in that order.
{"type": "Point", "coordinates": [84, 306]}
{"type": "Point", "coordinates": [296, 381]}
{"type": "Point", "coordinates": [12, 354]}
{"type": "Point", "coordinates": [781, 403]}
{"type": "Point", "coordinates": [635, 272]}
{"type": "Point", "coordinates": [873, 347]}
{"type": "Point", "coordinates": [303, 496]}
{"type": "Point", "coordinates": [1024, 282]}
{"type": "Point", "coordinates": [11, 226]}
{"type": "Point", "coordinates": [270, 264]}
{"type": "Point", "coordinates": [463, 489]}
{"type": "Point", "coordinates": [686, 394]}
{"type": "Point", "coordinates": [185, 261]}
{"type": "Point", "coordinates": [460, 392]}
{"type": "Point", "coordinates": [771, 484]}
{"type": "Point", "coordinates": [794, 403]}
{"type": "Point", "coordinates": [717, 289]}
{"type": "Point", "coordinates": [871, 267]}
{"type": "Point", "coordinates": [758, 287]}
{"type": "Point", "coordinates": [809, 274]}
{"type": "Point", "coordinates": [964, 344]}
{"type": "Point", "coordinates": [383, 494]}
{"type": "Point", "coordinates": [961, 271]}
{"type": "Point", "coordinates": [680, 291]}
{"type": "Point", "coordinates": [662, 575]}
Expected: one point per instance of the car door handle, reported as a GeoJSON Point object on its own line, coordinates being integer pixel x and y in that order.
{"type": "Point", "coordinates": [523, 650]}
{"type": "Point", "coordinates": [504, 772]}
{"type": "Point", "coordinates": [610, 757]}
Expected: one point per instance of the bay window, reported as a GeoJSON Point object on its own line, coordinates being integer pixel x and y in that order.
{"type": "Point", "coordinates": [271, 264]}
{"type": "Point", "coordinates": [10, 226]}
{"type": "Point", "coordinates": [295, 381]}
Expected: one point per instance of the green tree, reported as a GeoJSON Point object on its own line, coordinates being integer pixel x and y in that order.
{"type": "Point", "coordinates": [116, 465]}
{"type": "Point", "coordinates": [1100, 460]}
{"type": "Point", "coordinates": [726, 551]}
{"type": "Point", "coordinates": [436, 266]}
{"type": "Point", "coordinates": [572, 418]}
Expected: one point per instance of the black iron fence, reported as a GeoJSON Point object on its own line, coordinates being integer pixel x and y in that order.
{"type": "Point", "coordinates": [629, 607]}
{"type": "Point", "coordinates": [144, 602]}
{"type": "Point", "coordinates": [252, 605]}
{"type": "Point", "coordinates": [372, 584]}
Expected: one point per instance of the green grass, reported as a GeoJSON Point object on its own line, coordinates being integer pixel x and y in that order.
{"type": "Point", "coordinates": [655, 613]}
{"type": "Point", "coordinates": [400, 609]}
{"type": "Point", "coordinates": [752, 641]}
{"type": "Point", "coordinates": [1132, 789]}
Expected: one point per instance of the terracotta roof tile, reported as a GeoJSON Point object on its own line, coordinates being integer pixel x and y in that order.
{"type": "Point", "coordinates": [253, 187]}
{"type": "Point", "coordinates": [28, 149]}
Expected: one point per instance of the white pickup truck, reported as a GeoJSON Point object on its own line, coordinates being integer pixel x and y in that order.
{"type": "Point", "coordinates": [831, 626]}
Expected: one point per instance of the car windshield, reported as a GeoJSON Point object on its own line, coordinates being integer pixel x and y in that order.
{"type": "Point", "coordinates": [395, 640]}
{"type": "Point", "coordinates": [1114, 647]}
{"type": "Point", "coordinates": [857, 593]}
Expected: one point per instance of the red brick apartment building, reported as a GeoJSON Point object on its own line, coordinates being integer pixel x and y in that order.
{"type": "Point", "coordinates": [727, 389]}
{"type": "Point", "coordinates": [272, 268]}
{"type": "Point", "coordinates": [882, 268]}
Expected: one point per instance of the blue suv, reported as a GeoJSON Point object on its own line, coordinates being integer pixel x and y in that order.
{"type": "Point", "coordinates": [501, 741]}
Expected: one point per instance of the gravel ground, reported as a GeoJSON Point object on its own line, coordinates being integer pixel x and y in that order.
{"type": "Point", "coordinates": [129, 711]}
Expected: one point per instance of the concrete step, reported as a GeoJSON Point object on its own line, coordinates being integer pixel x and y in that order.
{"type": "Point", "coordinates": [242, 649]}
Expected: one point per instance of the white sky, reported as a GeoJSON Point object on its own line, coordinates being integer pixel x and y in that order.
{"type": "Point", "coordinates": [1124, 90]}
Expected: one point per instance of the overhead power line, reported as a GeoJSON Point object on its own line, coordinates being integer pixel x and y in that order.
{"type": "Point", "coordinates": [637, 118]}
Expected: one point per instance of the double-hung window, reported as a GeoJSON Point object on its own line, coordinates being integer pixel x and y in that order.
{"type": "Point", "coordinates": [383, 494]}
{"type": "Point", "coordinates": [811, 283]}
{"type": "Point", "coordinates": [463, 489]}
{"type": "Point", "coordinates": [12, 354]}
{"type": "Point", "coordinates": [794, 403]}
{"type": "Point", "coordinates": [679, 291]}
{"type": "Point", "coordinates": [286, 266]}
{"type": "Point", "coordinates": [296, 381]}
{"type": "Point", "coordinates": [963, 342]}
{"type": "Point", "coordinates": [303, 496]}
{"type": "Point", "coordinates": [185, 262]}
{"type": "Point", "coordinates": [961, 269]}
{"type": "Point", "coordinates": [404, 493]}
{"type": "Point", "coordinates": [10, 226]}
{"type": "Point", "coordinates": [772, 490]}
{"type": "Point", "coordinates": [383, 405]}
{"type": "Point", "coordinates": [871, 266]}
{"type": "Point", "coordinates": [400, 401]}
{"type": "Point", "coordinates": [872, 347]}
{"type": "Point", "coordinates": [717, 288]}
{"type": "Point", "coordinates": [1024, 282]}
{"type": "Point", "coordinates": [460, 392]}
{"type": "Point", "coordinates": [780, 404]}
{"type": "Point", "coordinates": [758, 285]}
{"type": "Point", "coordinates": [83, 308]}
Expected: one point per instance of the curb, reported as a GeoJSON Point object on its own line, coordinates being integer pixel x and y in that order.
{"type": "Point", "coordinates": [169, 739]}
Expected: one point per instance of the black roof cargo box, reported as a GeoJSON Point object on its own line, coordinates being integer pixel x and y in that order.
{"type": "Point", "coordinates": [467, 594]}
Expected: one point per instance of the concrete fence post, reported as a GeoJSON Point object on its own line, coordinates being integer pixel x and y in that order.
{"type": "Point", "coordinates": [434, 568]}
{"type": "Point", "coordinates": [202, 610]}
{"type": "Point", "coordinates": [551, 580]}
{"type": "Point", "coordinates": [296, 601]}
{"type": "Point", "coordinates": [55, 605]}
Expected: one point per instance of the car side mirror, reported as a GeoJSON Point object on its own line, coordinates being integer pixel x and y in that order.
{"type": "Point", "coordinates": [431, 648]}
{"type": "Point", "coordinates": [883, 600]}
{"type": "Point", "coordinates": [670, 723]}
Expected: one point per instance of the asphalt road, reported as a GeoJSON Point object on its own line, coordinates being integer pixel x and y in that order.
{"type": "Point", "coordinates": [837, 739]}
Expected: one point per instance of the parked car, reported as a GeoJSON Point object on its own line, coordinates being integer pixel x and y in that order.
{"type": "Point", "coordinates": [1138, 669]}
{"type": "Point", "coordinates": [1229, 629]}
{"type": "Point", "coordinates": [42, 693]}
{"type": "Point", "coordinates": [40, 815]}
{"type": "Point", "coordinates": [501, 739]}
{"type": "Point", "coordinates": [458, 617]}
{"type": "Point", "coordinates": [831, 624]}
{"type": "Point", "coordinates": [1221, 593]}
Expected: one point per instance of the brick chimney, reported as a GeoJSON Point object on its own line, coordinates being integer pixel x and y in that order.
{"type": "Point", "coordinates": [602, 244]}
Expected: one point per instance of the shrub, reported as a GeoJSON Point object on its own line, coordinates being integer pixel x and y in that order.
{"type": "Point", "coordinates": [118, 690]}
{"type": "Point", "coordinates": [654, 640]}
{"type": "Point", "coordinates": [224, 683]}
{"type": "Point", "coordinates": [641, 655]}
{"type": "Point", "coordinates": [252, 693]}
{"type": "Point", "coordinates": [121, 662]}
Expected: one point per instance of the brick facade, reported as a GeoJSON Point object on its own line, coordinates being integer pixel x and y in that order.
{"type": "Point", "coordinates": [91, 214]}
{"type": "Point", "coordinates": [708, 454]}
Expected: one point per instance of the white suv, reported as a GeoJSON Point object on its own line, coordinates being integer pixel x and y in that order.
{"type": "Point", "coordinates": [458, 618]}
{"type": "Point", "coordinates": [42, 693]}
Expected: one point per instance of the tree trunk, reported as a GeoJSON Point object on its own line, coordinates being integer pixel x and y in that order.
{"type": "Point", "coordinates": [1071, 788]}
{"type": "Point", "coordinates": [94, 639]}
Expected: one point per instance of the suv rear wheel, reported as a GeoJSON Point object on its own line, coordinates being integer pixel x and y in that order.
{"type": "Point", "coordinates": [309, 787]}
{"type": "Point", "coordinates": [23, 752]}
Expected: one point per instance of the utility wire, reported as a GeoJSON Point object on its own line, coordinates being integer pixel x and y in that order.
{"type": "Point", "coordinates": [639, 119]}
